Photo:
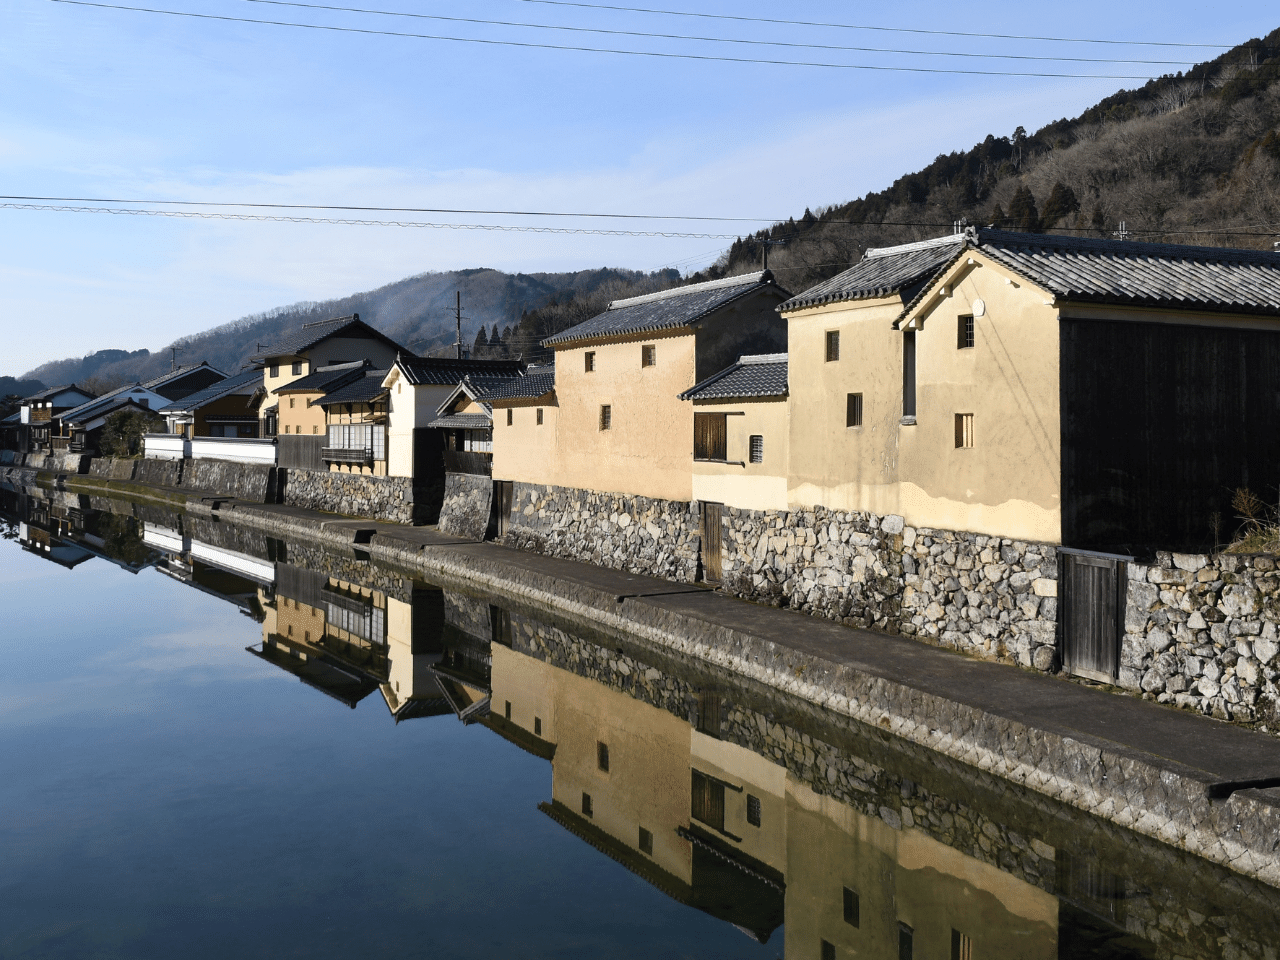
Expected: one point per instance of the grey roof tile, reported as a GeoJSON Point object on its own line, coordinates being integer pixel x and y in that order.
{"type": "Point", "coordinates": [325, 378]}
{"type": "Point", "coordinates": [532, 384]}
{"type": "Point", "coordinates": [444, 371]}
{"type": "Point", "coordinates": [883, 272]}
{"type": "Point", "coordinates": [762, 375]}
{"type": "Point", "coordinates": [667, 310]}
{"type": "Point", "coordinates": [53, 391]}
{"type": "Point", "coordinates": [357, 391]}
{"type": "Point", "coordinates": [311, 334]}
{"type": "Point", "coordinates": [462, 421]}
{"type": "Point", "coordinates": [245, 378]}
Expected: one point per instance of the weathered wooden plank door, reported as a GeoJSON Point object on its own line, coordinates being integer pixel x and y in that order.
{"type": "Point", "coordinates": [711, 566]}
{"type": "Point", "coordinates": [1092, 593]}
{"type": "Point", "coordinates": [502, 495]}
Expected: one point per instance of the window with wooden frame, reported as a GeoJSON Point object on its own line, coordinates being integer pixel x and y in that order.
{"type": "Point", "coordinates": [539, 416]}
{"type": "Point", "coordinates": [757, 448]}
{"type": "Point", "coordinates": [587, 806]}
{"type": "Point", "coordinates": [852, 908]}
{"type": "Point", "coordinates": [961, 946]}
{"type": "Point", "coordinates": [964, 430]}
{"type": "Point", "coordinates": [709, 713]}
{"type": "Point", "coordinates": [606, 417]}
{"type": "Point", "coordinates": [648, 355]}
{"type": "Point", "coordinates": [833, 345]}
{"type": "Point", "coordinates": [909, 375]}
{"type": "Point", "coordinates": [853, 410]}
{"type": "Point", "coordinates": [589, 361]}
{"type": "Point", "coordinates": [646, 841]}
{"type": "Point", "coordinates": [510, 416]}
{"type": "Point", "coordinates": [602, 756]}
{"type": "Point", "coordinates": [964, 332]}
{"type": "Point", "coordinates": [710, 436]}
{"type": "Point", "coordinates": [753, 810]}
{"type": "Point", "coordinates": [707, 803]}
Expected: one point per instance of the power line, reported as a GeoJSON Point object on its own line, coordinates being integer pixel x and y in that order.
{"type": "Point", "coordinates": [679, 36]}
{"type": "Point", "coordinates": [855, 26]}
{"type": "Point", "coordinates": [707, 58]}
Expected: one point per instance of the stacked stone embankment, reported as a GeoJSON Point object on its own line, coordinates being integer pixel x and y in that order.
{"type": "Point", "coordinates": [468, 500]}
{"type": "Point", "coordinates": [357, 495]}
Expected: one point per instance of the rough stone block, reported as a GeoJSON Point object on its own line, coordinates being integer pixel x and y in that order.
{"type": "Point", "coordinates": [1045, 587]}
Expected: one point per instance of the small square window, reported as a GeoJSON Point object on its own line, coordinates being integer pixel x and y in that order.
{"type": "Point", "coordinates": [646, 841]}
{"type": "Point", "coordinates": [853, 410]}
{"type": "Point", "coordinates": [507, 712]}
{"type": "Point", "coordinates": [828, 951]}
{"type": "Point", "coordinates": [833, 345]}
{"type": "Point", "coordinates": [297, 368]}
{"type": "Point", "coordinates": [648, 355]}
{"type": "Point", "coordinates": [757, 448]}
{"type": "Point", "coordinates": [586, 805]}
{"type": "Point", "coordinates": [539, 416]}
{"type": "Point", "coordinates": [964, 430]}
{"type": "Point", "coordinates": [602, 756]}
{"type": "Point", "coordinates": [537, 726]}
{"type": "Point", "coordinates": [852, 909]}
{"type": "Point", "coordinates": [964, 333]}
{"type": "Point", "coordinates": [510, 416]}
{"type": "Point", "coordinates": [606, 417]}
{"type": "Point", "coordinates": [753, 810]}
{"type": "Point", "coordinates": [961, 946]}
{"type": "Point", "coordinates": [590, 361]}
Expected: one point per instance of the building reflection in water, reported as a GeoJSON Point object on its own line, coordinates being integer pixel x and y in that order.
{"type": "Point", "coordinates": [727, 798]}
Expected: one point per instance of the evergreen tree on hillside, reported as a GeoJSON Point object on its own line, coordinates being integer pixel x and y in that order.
{"type": "Point", "coordinates": [1023, 214]}
{"type": "Point", "coordinates": [1062, 202]}
{"type": "Point", "coordinates": [482, 343]}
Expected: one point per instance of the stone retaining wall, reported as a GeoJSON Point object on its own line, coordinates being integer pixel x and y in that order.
{"type": "Point", "coordinates": [659, 538]}
{"type": "Point", "coordinates": [468, 500]}
{"type": "Point", "coordinates": [357, 495]}
{"type": "Point", "coordinates": [1201, 632]}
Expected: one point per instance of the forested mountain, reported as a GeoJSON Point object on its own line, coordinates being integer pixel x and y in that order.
{"type": "Point", "coordinates": [1187, 158]}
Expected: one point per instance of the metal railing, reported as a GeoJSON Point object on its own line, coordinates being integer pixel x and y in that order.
{"type": "Point", "coordinates": [347, 454]}
{"type": "Point", "coordinates": [464, 461]}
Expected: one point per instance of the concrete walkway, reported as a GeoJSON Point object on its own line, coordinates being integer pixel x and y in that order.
{"type": "Point", "coordinates": [1200, 784]}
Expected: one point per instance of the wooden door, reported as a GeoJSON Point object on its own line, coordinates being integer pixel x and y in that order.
{"type": "Point", "coordinates": [711, 566]}
{"type": "Point", "coordinates": [1091, 605]}
{"type": "Point", "coordinates": [501, 518]}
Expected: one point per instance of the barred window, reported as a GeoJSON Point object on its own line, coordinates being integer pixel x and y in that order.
{"type": "Point", "coordinates": [510, 416]}
{"type": "Point", "coordinates": [833, 345]}
{"type": "Point", "coordinates": [606, 417]}
{"type": "Point", "coordinates": [539, 416]}
{"type": "Point", "coordinates": [964, 333]}
{"type": "Point", "coordinates": [964, 430]}
{"type": "Point", "coordinates": [589, 359]}
{"type": "Point", "coordinates": [648, 355]}
{"type": "Point", "coordinates": [853, 410]}
{"type": "Point", "coordinates": [753, 810]}
{"type": "Point", "coordinates": [757, 448]}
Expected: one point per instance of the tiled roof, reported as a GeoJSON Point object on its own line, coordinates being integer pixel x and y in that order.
{"type": "Point", "coordinates": [882, 272]}
{"type": "Point", "coordinates": [667, 310]}
{"type": "Point", "coordinates": [310, 334]}
{"type": "Point", "coordinates": [1090, 270]}
{"type": "Point", "coordinates": [157, 383]}
{"type": "Point", "coordinates": [357, 391]}
{"type": "Point", "coordinates": [325, 378]}
{"type": "Point", "coordinates": [100, 408]}
{"type": "Point", "coordinates": [533, 384]}
{"type": "Point", "coordinates": [462, 421]}
{"type": "Point", "coordinates": [91, 408]}
{"type": "Point", "coordinates": [446, 372]}
{"type": "Point", "coordinates": [54, 391]}
{"type": "Point", "coordinates": [15, 417]}
{"type": "Point", "coordinates": [762, 375]}
{"type": "Point", "coordinates": [245, 378]}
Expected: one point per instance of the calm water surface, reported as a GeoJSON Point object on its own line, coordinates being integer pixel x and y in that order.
{"type": "Point", "coordinates": [218, 744]}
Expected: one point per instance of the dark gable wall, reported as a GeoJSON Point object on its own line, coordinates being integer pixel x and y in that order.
{"type": "Point", "coordinates": [1160, 424]}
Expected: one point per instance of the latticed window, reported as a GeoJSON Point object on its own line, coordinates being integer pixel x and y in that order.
{"type": "Point", "coordinates": [539, 416]}
{"type": "Point", "coordinates": [510, 416]}
{"type": "Point", "coordinates": [964, 430]}
{"type": "Point", "coordinates": [757, 448]}
{"type": "Point", "coordinates": [853, 410]}
{"type": "Point", "coordinates": [589, 361]}
{"type": "Point", "coordinates": [648, 355]}
{"type": "Point", "coordinates": [964, 333]}
{"type": "Point", "coordinates": [753, 810]}
{"type": "Point", "coordinates": [709, 436]}
{"type": "Point", "coordinates": [833, 345]}
{"type": "Point", "coordinates": [359, 436]}
{"type": "Point", "coordinates": [606, 417]}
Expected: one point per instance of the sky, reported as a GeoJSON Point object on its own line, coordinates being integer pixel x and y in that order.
{"type": "Point", "coordinates": [118, 104]}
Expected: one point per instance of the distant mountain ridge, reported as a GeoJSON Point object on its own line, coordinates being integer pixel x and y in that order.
{"type": "Point", "coordinates": [417, 312]}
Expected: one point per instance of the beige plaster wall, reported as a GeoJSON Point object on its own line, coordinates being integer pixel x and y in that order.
{"type": "Point", "coordinates": [300, 413]}
{"type": "Point", "coordinates": [1008, 483]}
{"type": "Point", "coordinates": [648, 783]}
{"type": "Point", "coordinates": [649, 449]}
{"type": "Point", "coordinates": [409, 408]}
{"type": "Point", "coordinates": [901, 876]}
{"type": "Point", "coordinates": [528, 684]}
{"type": "Point", "coordinates": [741, 483]}
{"type": "Point", "coordinates": [526, 451]}
{"type": "Point", "coordinates": [831, 464]}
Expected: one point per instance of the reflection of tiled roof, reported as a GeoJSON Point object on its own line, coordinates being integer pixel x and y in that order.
{"type": "Point", "coordinates": [535, 383]}
{"type": "Point", "coordinates": [358, 391]}
{"type": "Point", "coordinates": [243, 379]}
{"type": "Point", "coordinates": [882, 273]}
{"type": "Point", "coordinates": [322, 379]}
{"type": "Point", "coordinates": [667, 310]}
{"type": "Point", "coordinates": [446, 372]}
{"type": "Point", "coordinates": [763, 375]}
{"type": "Point", "coordinates": [310, 334]}
{"type": "Point", "coordinates": [462, 421]}
{"type": "Point", "coordinates": [1082, 269]}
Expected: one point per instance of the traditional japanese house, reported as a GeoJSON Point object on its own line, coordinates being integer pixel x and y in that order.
{"type": "Point", "coordinates": [36, 414]}
{"type": "Point", "coordinates": [525, 417]}
{"type": "Point", "coordinates": [466, 419]}
{"type": "Point", "coordinates": [356, 425]}
{"type": "Point", "coordinates": [300, 419]}
{"type": "Point", "coordinates": [228, 408]}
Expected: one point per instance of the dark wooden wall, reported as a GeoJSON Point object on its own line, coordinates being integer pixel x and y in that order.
{"type": "Point", "coordinates": [300, 452]}
{"type": "Point", "coordinates": [1160, 424]}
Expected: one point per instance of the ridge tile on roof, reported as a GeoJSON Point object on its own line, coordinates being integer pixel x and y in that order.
{"type": "Point", "coordinates": [447, 371]}
{"type": "Point", "coordinates": [882, 272]}
{"type": "Point", "coordinates": [759, 375]}
{"type": "Point", "coordinates": [362, 390]}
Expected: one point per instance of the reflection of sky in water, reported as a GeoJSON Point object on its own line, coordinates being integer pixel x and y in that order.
{"type": "Point", "coordinates": [167, 794]}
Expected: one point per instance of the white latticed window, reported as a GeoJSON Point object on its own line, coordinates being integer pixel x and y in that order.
{"type": "Point", "coordinates": [359, 436]}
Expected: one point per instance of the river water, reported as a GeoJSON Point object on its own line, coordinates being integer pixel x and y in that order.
{"type": "Point", "coordinates": [215, 743]}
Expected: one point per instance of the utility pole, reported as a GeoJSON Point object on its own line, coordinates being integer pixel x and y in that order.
{"type": "Point", "coordinates": [458, 316]}
{"type": "Point", "coordinates": [1122, 233]}
{"type": "Point", "coordinates": [173, 360]}
{"type": "Point", "coordinates": [767, 245]}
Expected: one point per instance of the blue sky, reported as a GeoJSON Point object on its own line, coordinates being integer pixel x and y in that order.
{"type": "Point", "coordinates": [110, 103]}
